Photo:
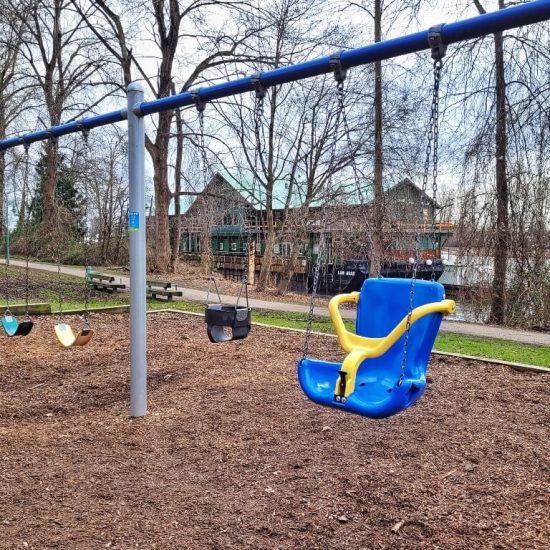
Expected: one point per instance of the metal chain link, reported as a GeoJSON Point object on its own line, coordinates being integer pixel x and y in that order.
{"type": "Point", "coordinates": [202, 146]}
{"type": "Point", "coordinates": [438, 66]}
{"type": "Point", "coordinates": [258, 152]}
{"type": "Point", "coordinates": [326, 187]}
{"type": "Point", "coordinates": [258, 114]}
{"type": "Point", "coordinates": [26, 232]}
{"type": "Point", "coordinates": [200, 106]}
{"type": "Point", "coordinates": [6, 238]}
{"type": "Point", "coordinates": [87, 294]}
{"type": "Point", "coordinates": [60, 283]}
{"type": "Point", "coordinates": [432, 144]}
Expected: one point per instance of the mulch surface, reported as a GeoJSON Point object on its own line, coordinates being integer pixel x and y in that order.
{"type": "Point", "coordinates": [233, 455]}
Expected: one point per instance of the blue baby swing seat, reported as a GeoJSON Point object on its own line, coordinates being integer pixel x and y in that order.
{"type": "Point", "coordinates": [369, 381]}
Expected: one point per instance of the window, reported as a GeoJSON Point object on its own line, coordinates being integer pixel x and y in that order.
{"type": "Point", "coordinates": [220, 246]}
{"type": "Point", "coordinates": [233, 247]}
{"type": "Point", "coordinates": [276, 248]}
{"type": "Point", "coordinates": [286, 249]}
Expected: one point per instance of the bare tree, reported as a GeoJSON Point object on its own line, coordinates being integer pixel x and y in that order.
{"type": "Point", "coordinates": [107, 193]}
{"type": "Point", "coordinates": [502, 222]}
{"type": "Point", "coordinates": [169, 19]}
{"type": "Point", "coordinates": [14, 87]}
{"type": "Point", "coordinates": [270, 142]}
{"type": "Point", "coordinates": [62, 62]}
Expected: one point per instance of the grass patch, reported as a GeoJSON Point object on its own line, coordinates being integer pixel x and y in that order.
{"type": "Point", "coordinates": [490, 348]}
{"type": "Point", "coordinates": [45, 288]}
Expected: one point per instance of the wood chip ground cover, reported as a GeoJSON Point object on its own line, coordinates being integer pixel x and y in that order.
{"type": "Point", "coordinates": [232, 455]}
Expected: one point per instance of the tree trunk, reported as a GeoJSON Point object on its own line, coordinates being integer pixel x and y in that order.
{"type": "Point", "coordinates": [49, 212]}
{"type": "Point", "coordinates": [378, 206]}
{"type": "Point", "coordinates": [159, 156]}
{"type": "Point", "coordinates": [289, 267]}
{"type": "Point", "coordinates": [498, 303]}
{"type": "Point", "coordinates": [176, 225]}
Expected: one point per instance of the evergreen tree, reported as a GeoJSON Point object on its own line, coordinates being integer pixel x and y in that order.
{"type": "Point", "coordinates": [67, 196]}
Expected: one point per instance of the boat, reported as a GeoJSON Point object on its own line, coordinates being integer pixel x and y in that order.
{"type": "Point", "coordinates": [349, 276]}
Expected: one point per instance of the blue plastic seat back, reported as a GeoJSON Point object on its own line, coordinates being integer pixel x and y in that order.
{"type": "Point", "coordinates": [10, 325]}
{"type": "Point", "coordinates": [384, 302]}
{"type": "Point", "coordinates": [382, 305]}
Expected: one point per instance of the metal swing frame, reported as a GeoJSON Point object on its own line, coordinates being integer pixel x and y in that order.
{"type": "Point", "coordinates": [137, 108]}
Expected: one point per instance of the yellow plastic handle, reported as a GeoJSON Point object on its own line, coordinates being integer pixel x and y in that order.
{"type": "Point", "coordinates": [360, 348]}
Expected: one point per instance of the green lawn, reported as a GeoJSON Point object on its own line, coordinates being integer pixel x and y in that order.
{"type": "Point", "coordinates": [448, 342]}
{"type": "Point", "coordinates": [45, 288]}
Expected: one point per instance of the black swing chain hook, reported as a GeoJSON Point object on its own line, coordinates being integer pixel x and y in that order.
{"type": "Point", "coordinates": [85, 133]}
{"type": "Point", "coordinates": [340, 74]}
{"type": "Point", "coordinates": [200, 105]}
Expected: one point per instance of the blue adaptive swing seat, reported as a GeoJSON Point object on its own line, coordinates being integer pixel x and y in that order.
{"type": "Point", "coordinates": [368, 381]}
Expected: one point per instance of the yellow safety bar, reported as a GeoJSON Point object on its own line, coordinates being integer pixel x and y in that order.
{"type": "Point", "coordinates": [360, 348]}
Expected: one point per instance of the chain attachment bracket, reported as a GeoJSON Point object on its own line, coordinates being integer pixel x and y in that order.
{"type": "Point", "coordinates": [435, 41]}
{"type": "Point", "coordinates": [259, 89]}
{"type": "Point", "coordinates": [25, 144]}
{"type": "Point", "coordinates": [200, 104]}
{"type": "Point", "coordinates": [85, 132]}
{"type": "Point", "coordinates": [335, 62]}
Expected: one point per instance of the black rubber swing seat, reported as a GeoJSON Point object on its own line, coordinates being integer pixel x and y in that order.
{"type": "Point", "coordinates": [219, 316]}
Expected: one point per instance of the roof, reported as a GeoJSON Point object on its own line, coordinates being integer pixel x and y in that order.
{"type": "Point", "coordinates": [346, 193]}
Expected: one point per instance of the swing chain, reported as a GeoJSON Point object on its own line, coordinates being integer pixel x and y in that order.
{"type": "Point", "coordinates": [6, 222]}
{"type": "Point", "coordinates": [260, 91]}
{"type": "Point", "coordinates": [438, 65]}
{"type": "Point", "coordinates": [211, 280]}
{"type": "Point", "coordinates": [244, 284]}
{"type": "Point", "coordinates": [200, 105]}
{"type": "Point", "coordinates": [438, 51]}
{"type": "Point", "coordinates": [339, 76]}
{"type": "Point", "coordinates": [85, 134]}
{"type": "Point", "coordinates": [26, 222]}
{"type": "Point", "coordinates": [258, 115]}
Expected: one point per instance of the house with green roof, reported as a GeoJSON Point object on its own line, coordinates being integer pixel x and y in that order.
{"type": "Point", "coordinates": [231, 216]}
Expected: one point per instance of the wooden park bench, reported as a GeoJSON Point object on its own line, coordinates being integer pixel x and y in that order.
{"type": "Point", "coordinates": [165, 289]}
{"type": "Point", "coordinates": [102, 281]}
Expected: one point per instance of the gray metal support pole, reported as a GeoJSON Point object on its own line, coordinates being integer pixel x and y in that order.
{"type": "Point", "coordinates": [136, 229]}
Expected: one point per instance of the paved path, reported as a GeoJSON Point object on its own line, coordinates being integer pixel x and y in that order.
{"type": "Point", "coordinates": [457, 327]}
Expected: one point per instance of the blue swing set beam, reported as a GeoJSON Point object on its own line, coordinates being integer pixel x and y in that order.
{"type": "Point", "coordinates": [475, 27]}
{"type": "Point", "coordinates": [451, 33]}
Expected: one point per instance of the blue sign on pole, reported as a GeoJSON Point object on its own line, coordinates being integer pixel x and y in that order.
{"type": "Point", "coordinates": [133, 221]}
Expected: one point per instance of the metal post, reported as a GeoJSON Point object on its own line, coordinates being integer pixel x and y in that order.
{"type": "Point", "coordinates": [136, 230]}
{"type": "Point", "coordinates": [251, 261]}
